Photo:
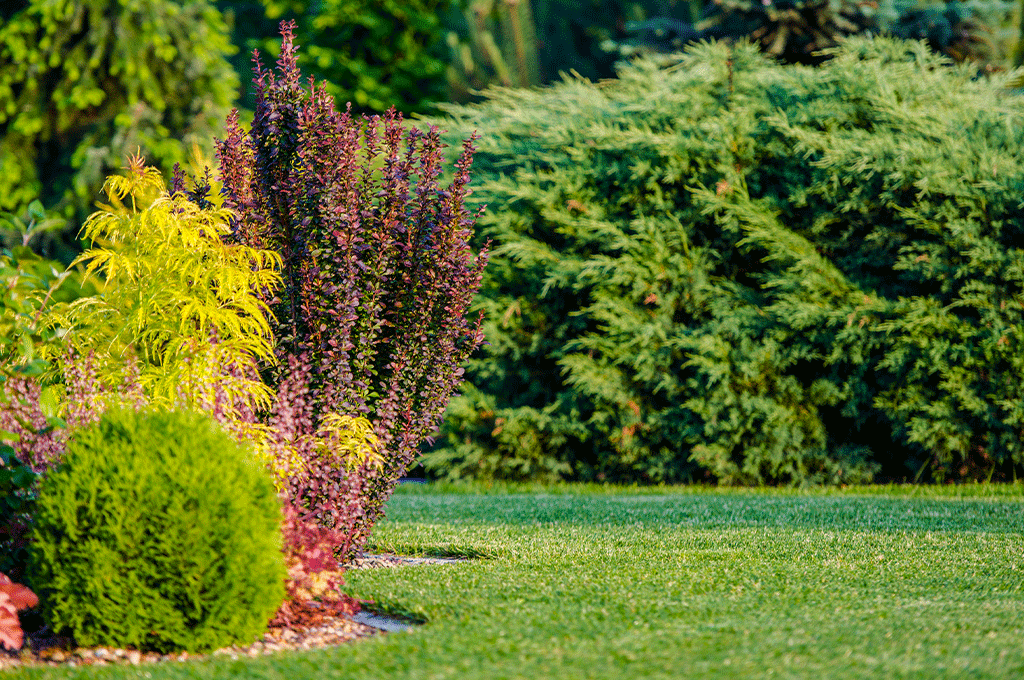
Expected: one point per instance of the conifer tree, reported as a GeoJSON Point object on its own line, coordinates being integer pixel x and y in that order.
{"type": "Point", "coordinates": [745, 272]}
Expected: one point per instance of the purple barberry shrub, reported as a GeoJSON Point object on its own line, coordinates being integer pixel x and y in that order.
{"type": "Point", "coordinates": [378, 272]}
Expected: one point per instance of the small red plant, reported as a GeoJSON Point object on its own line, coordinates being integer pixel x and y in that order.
{"type": "Point", "coordinates": [313, 574]}
{"type": "Point", "coordinates": [322, 506]}
{"type": "Point", "coordinates": [13, 598]}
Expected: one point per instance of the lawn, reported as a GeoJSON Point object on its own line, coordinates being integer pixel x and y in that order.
{"type": "Point", "coordinates": [674, 583]}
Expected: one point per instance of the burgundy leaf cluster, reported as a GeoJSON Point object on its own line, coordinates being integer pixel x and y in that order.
{"type": "Point", "coordinates": [313, 575]}
{"type": "Point", "coordinates": [378, 275]}
{"type": "Point", "coordinates": [40, 443]}
{"type": "Point", "coordinates": [322, 507]}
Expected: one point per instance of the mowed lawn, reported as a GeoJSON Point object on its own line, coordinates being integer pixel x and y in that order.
{"type": "Point", "coordinates": [576, 582]}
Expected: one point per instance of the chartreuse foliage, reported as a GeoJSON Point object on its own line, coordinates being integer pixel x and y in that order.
{"type": "Point", "coordinates": [83, 83]}
{"type": "Point", "coordinates": [175, 321]}
{"type": "Point", "coordinates": [157, 532]}
{"type": "Point", "coordinates": [161, 312]}
{"type": "Point", "coordinates": [752, 273]}
{"type": "Point", "coordinates": [177, 304]}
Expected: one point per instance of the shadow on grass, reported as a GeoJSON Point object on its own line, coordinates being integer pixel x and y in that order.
{"type": "Point", "coordinates": [449, 552]}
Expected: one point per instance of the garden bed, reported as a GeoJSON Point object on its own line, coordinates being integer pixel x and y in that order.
{"type": "Point", "coordinates": [42, 648]}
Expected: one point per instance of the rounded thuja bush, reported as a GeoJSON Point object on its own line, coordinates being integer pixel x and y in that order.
{"type": "Point", "coordinates": [157, 532]}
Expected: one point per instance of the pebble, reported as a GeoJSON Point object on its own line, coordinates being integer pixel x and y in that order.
{"type": "Point", "coordinates": [333, 631]}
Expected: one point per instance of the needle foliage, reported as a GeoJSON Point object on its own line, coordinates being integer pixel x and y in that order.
{"type": "Point", "coordinates": [738, 271]}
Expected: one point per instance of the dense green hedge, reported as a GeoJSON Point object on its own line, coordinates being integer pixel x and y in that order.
{"type": "Point", "coordinates": [738, 271]}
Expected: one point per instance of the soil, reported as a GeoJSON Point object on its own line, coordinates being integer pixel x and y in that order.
{"type": "Point", "coordinates": [43, 648]}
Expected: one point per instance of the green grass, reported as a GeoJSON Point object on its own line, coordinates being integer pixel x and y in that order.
{"type": "Point", "coordinates": [677, 583]}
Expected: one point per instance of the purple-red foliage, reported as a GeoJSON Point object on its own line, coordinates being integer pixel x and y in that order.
{"type": "Point", "coordinates": [40, 444]}
{"type": "Point", "coordinates": [378, 272]}
{"type": "Point", "coordinates": [322, 506]}
{"type": "Point", "coordinates": [314, 576]}
{"type": "Point", "coordinates": [13, 598]}
{"type": "Point", "coordinates": [328, 497]}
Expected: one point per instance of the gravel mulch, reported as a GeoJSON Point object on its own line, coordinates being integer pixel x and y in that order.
{"type": "Point", "coordinates": [42, 648]}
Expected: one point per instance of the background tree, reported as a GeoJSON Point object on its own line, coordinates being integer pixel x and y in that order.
{"type": "Point", "coordinates": [373, 53]}
{"type": "Point", "coordinates": [85, 83]}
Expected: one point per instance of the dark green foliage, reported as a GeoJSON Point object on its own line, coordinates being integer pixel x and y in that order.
{"type": "Point", "coordinates": [737, 271]}
{"type": "Point", "coordinates": [953, 29]}
{"type": "Point", "coordinates": [794, 31]}
{"type": "Point", "coordinates": [519, 43]}
{"type": "Point", "coordinates": [373, 53]}
{"type": "Point", "coordinates": [797, 31]}
{"type": "Point", "coordinates": [577, 35]}
{"type": "Point", "coordinates": [492, 43]}
{"type": "Point", "coordinates": [82, 84]}
{"type": "Point", "coordinates": [17, 502]}
{"type": "Point", "coordinates": [29, 284]}
{"type": "Point", "coordinates": [34, 226]}
{"type": "Point", "coordinates": [157, 532]}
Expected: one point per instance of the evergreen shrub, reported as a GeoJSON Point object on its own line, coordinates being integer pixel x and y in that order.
{"type": "Point", "coordinates": [738, 271]}
{"type": "Point", "coordinates": [157, 532]}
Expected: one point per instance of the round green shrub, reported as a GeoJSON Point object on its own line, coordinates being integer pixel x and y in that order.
{"type": "Point", "coordinates": [157, 532]}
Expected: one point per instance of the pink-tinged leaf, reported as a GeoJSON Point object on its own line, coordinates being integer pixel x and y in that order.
{"type": "Point", "coordinates": [18, 595]}
{"type": "Point", "coordinates": [11, 635]}
{"type": "Point", "coordinates": [320, 560]}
